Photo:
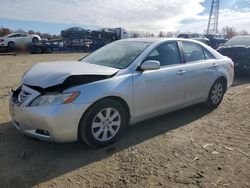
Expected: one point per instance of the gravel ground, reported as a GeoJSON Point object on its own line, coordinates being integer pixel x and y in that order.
{"type": "Point", "coordinates": [193, 147]}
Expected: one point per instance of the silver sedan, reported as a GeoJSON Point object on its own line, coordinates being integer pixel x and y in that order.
{"type": "Point", "coordinates": [122, 83]}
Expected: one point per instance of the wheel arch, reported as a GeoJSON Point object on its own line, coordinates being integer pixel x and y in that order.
{"type": "Point", "coordinates": [116, 98]}
{"type": "Point", "coordinates": [224, 80]}
{"type": "Point", "coordinates": [11, 41]}
{"type": "Point", "coordinates": [34, 38]}
{"type": "Point", "coordinates": [221, 77]}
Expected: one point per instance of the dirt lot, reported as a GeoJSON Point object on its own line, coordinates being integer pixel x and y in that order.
{"type": "Point", "coordinates": [193, 147]}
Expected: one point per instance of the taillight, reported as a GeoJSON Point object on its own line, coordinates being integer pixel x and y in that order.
{"type": "Point", "coordinates": [232, 65]}
{"type": "Point", "coordinates": [1, 40]}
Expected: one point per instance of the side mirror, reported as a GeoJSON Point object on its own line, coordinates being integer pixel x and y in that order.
{"type": "Point", "coordinates": [150, 65]}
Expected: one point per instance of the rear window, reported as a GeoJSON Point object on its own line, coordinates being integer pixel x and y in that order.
{"type": "Point", "coordinates": [192, 52]}
{"type": "Point", "coordinates": [208, 55]}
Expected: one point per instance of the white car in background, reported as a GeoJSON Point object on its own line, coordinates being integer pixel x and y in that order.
{"type": "Point", "coordinates": [18, 38]}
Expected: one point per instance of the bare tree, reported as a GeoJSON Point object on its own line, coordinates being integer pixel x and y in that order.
{"type": "Point", "coordinates": [161, 34]}
{"type": "Point", "coordinates": [152, 35]}
{"type": "Point", "coordinates": [19, 31]}
{"type": "Point", "coordinates": [243, 32]}
{"type": "Point", "coordinates": [31, 32]}
{"type": "Point", "coordinates": [4, 31]}
{"type": "Point", "coordinates": [134, 34]}
{"type": "Point", "coordinates": [170, 34]}
{"type": "Point", "coordinates": [229, 32]}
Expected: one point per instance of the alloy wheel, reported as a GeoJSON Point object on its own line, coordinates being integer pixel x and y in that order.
{"type": "Point", "coordinates": [106, 124]}
{"type": "Point", "coordinates": [217, 93]}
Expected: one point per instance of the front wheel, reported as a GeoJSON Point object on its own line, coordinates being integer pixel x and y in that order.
{"type": "Point", "coordinates": [11, 44]}
{"type": "Point", "coordinates": [216, 94]}
{"type": "Point", "coordinates": [103, 123]}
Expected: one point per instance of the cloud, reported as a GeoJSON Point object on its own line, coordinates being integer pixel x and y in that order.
{"type": "Point", "coordinates": [233, 18]}
{"type": "Point", "coordinates": [145, 15]}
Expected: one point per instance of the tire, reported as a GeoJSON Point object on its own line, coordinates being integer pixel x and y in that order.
{"type": "Point", "coordinates": [11, 44]}
{"type": "Point", "coordinates": [98, 129]}
{"type": "Point", "coordinates": [48, 50]}
{"type": "Point", "coordinates": [35, 40]}
{"type": "Point", "coordinates": [37, 50]}
{"type": "Point", "coordinates": [216, 94]}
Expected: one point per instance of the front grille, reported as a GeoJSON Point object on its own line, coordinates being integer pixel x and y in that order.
{"type": "Point", "coordinates": [19, 96]}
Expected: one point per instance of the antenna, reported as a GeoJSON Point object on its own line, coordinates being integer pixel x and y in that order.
{"type": "Point", "coordinates": [212, 27]}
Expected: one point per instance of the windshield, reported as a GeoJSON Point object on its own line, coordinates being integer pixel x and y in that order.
{"type": "Point", "coordinates": [119, 54]}
{"type": "Point", "coordinates": [244, 40]}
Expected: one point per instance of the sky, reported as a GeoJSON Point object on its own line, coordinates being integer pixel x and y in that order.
{"type": "Point", "coordinates": [154, 16]}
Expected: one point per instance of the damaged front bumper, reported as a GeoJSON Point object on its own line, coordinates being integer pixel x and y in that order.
{"type": "Point", "coordinates": [58, 123]}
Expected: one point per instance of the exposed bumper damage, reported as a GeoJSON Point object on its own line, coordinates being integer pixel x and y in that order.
{"type": "Point", "coordinates": [57, 123]}
{"type": "Point", "coordinates": [71, 81]}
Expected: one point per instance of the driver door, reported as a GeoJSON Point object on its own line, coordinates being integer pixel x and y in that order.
{"type": "Point", "coordinates": [162, 89]}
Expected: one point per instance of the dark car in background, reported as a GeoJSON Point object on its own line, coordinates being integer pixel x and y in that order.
{"type": "Point", "coordinates": [238, 49]}
{"type": "Point", "coordinates": [194, 36]}
{"type": "Point", "coordinates": [215, 41]}
{"type": "Point", "coordinates": [73, 32]}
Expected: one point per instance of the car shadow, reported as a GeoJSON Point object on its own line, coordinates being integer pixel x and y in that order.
{"type": "Point", "coordinates": [241, 80]}
{"type": "Point", "coordinates": [8, 54]}
{"type": "Point", "coordinates": [27, 162]}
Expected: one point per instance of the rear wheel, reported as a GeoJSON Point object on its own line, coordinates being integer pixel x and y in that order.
{"type": "Point", "coordinates": [216, 94]}
{"type": "Point", "coordinates": [37, 50]}
{"type": "Point", "coordinates": [103, 123]}
{"type": "Point", "coordinates": [48, 50]}
{"type": "Point", "coordinates": [35, 40]}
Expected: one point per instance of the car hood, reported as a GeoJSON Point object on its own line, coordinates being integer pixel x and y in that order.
{"type": "Point", "coordinates": [45, 75]}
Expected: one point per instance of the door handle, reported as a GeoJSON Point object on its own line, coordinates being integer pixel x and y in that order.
{"type": "Point", "coordinates": [181, 72]}
{"type": "Point", "coordinates": [214, 65]}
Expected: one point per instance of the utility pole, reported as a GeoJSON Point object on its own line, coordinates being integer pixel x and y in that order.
{"type": "Point", "coordinates": [212, 27]}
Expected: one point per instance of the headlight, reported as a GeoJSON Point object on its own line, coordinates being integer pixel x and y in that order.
{"type": "Point", "coordinates": [54, 99]}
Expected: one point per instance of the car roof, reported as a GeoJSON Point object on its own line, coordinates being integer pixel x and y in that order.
{"type": "Point", "coordinates": [158, 39]}
{"type": "Point", "coordinates": [155, 41]}
{"type": "Point", "coordinates": [146, 39]}
{"type": "Point", "coordinates": [15, 34]}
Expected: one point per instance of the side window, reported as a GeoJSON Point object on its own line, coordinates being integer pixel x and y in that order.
{"type": "Point", "coordinates": [166, 54]}
{"type": "Point", "coordinates": [208, 55]}
{"type": "Point", "coordinates": [12, 36]}
{"type": "Point", "coordinates": [22, 35]}
{"type": "Point", "coordinates": [192, 52]}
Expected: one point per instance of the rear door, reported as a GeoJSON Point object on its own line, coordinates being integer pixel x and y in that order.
{"type": "Point", "coordinates": [24, 39]}
{"type": "Point", "coordinates": [161, 89]}
{"type": "Point", "coordinates": [201, 70]}
{"type": "Point", "coordinates": [18, 39]}
{"type": "Point", "coordinates": [13, 38]}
